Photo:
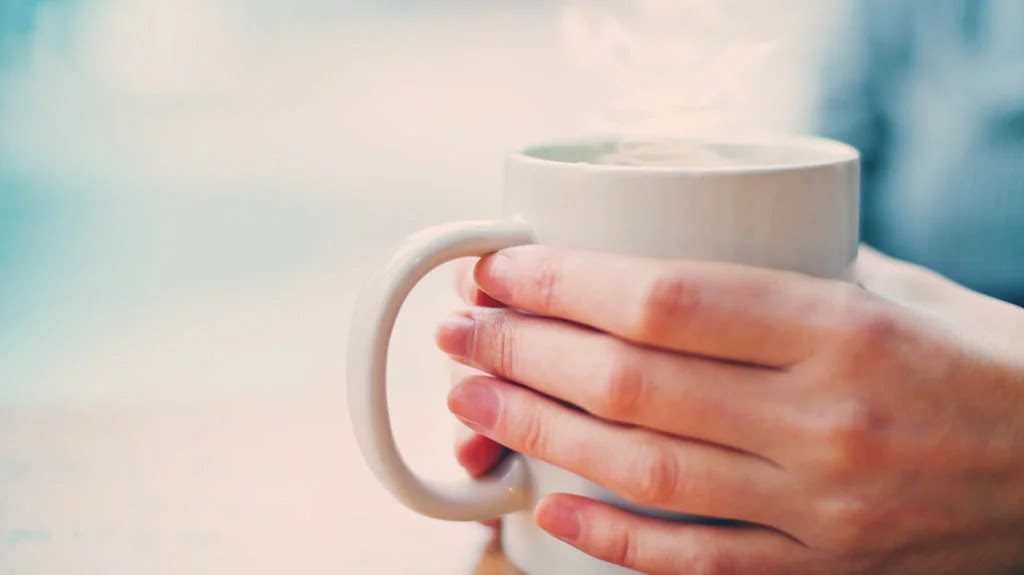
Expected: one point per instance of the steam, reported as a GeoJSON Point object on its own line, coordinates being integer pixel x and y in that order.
{"type": "Point", "coordinates": [664, 152]}
{"type": "Point", "coordinates": [685, 67]}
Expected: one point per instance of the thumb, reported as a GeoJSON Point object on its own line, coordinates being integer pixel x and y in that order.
{"type": "Point", "coordinates": [922, 289]}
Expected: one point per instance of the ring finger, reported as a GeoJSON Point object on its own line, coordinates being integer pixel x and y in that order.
{"type": "Point", "coordinates": [653, 469]}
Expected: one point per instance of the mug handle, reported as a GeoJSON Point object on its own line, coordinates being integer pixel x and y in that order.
{"type": "Point", "coordinates": [505, 490]}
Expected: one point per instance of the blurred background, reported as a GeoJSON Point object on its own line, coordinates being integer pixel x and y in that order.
{"type": "Point", "coordinates": [192, 192]}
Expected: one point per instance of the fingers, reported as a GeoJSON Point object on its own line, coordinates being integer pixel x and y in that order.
{"type": "Point", "coordinates": [723, 403]}
{"type": "Point", "coordinates": [466, 286]}
{"type": "Point", "coordinates": [727, 311]}
{"type": "Point", "coordinates": [661, 547]}
{"type": "Point", "coordinates": [476, 453]}
{"type": "Point", "coordinates": [649, 469]}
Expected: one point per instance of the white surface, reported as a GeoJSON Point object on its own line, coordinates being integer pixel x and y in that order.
{"type": "Point", "coordinates": [258, 486]}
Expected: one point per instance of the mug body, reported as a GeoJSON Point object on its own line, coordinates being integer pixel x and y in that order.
{"type": "Point", "coordinates": [788, 203]}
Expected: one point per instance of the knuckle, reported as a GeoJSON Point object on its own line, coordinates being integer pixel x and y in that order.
{"type": "Point", "coordinates": [625, 391]}
{"type": "Point", "coordinates": [534, 435]}
{"type": "Point", "coordinates": [867, 327]}
{"type": "Point", "coordinates": [666, 304]}
{"type": "Point", "coordinates": [622, 548]}
{"type": "Point", "coordinates": [655, 476]}
{"type": "Point", "coordinates": [875, 327]}
{"type": "Point", "coordinates": [505, 340]}
{"type": "Point", "coordinates": [547, 282]}
{"type": "Point", "coordinates": [850, 521]}
{"type": "Point", "coordinates": [851, 436]}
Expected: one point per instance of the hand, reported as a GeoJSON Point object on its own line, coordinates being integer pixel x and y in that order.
{"type": "Point", "coordinates": [850, 433]}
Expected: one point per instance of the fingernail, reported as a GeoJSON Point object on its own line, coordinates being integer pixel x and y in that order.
{"type": "Point", "coordinates": [559, 519]}
{"type": "Point", "coordinates": [455, 335]}
{"type": "Point", "coordinates": [475, 403]}
{"type": "Point", "coordinates": [495, 274]}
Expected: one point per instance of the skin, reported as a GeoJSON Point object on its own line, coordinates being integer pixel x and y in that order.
{"type": "Point", "coordinates": [847, 432]}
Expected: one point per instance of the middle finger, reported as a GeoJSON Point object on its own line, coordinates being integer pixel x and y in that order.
{"type": "Point", "coordinates": [689, 396]}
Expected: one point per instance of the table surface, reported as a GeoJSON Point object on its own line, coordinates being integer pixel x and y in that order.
{"type": "Point", "coordinates": [254, 486]}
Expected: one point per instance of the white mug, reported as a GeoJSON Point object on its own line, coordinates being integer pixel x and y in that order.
{"type": "Point", "coordinates": [789, 203]}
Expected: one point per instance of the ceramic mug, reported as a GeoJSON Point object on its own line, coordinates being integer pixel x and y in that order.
{"type": "Point", "coordinates": [790, 203]}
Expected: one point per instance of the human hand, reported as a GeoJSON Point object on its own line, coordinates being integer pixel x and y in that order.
{"type": "Point", "coordinates": [852, 434]}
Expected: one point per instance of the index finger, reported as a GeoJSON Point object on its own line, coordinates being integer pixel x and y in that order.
{"type": "Point", "coordinates": [721, 310]}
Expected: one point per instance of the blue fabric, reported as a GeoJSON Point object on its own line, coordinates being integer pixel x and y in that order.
{"type": "Point", "coordinates": [932, 94]}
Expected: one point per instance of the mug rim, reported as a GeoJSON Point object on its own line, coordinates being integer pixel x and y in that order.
{"type": "Point", "coordinates": [832, 152]}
